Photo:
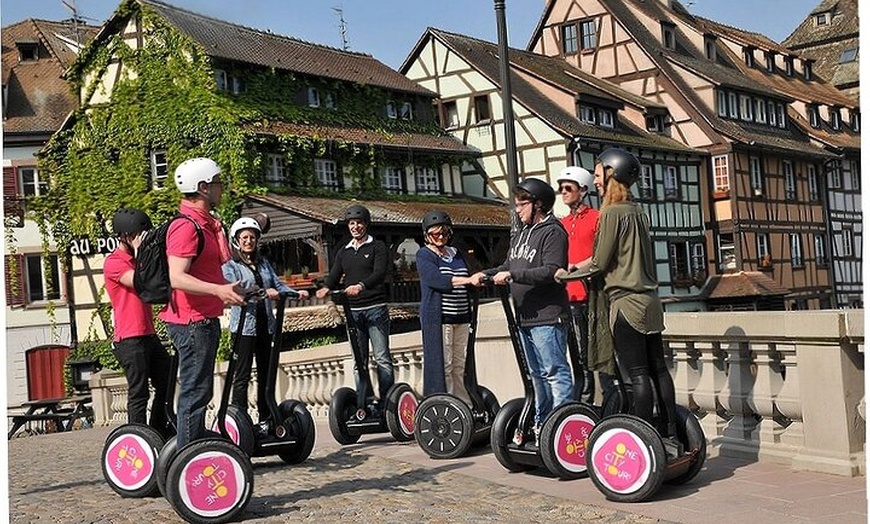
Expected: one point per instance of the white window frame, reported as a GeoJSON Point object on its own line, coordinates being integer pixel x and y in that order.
{"type": "Point", "coordinates": [813, 181]}
{"type": "Point", "coordinates": [392, 111]}
{"type": "Point", "coordinates": [38, 186]}
{"type": "Point", "coordinates": [647, 188]}
{"type": "Point", "coordinates": [451, 114]}
{"type": "Point", "coordinates": [756, 177]}
{"type": "Point", "coordinates": [159, 169]}
{"type": "Point", "coordinates": [722, 98]}
{"type": "Point", "coordinates": [45, 296]}
{"type": "Point", "coordinates": [327, 173]}
{"type": "Point", "coordinates": [808, 70]}
{"type": "Point", "coordinates": [771, 113]}
{"type": "Point", "coordinates": [760, 111]}
{"type": "Point", "coordinates": [848, 237]}
{"type": "Point", "coordinates": [697, 258]}
{"type": "Point", "coordinates": [220, 80]}
{"type": "Point", "coordinates": [406, 111]}
{"type": "Point", "coordinates": [721, 174]}
{"type": "Point", "coordinates": [835, 118]}
{"type": "Point", "coordinates": [313, 97]}
{"type": "Point", "coordinates": [814, 118]}
{"type": "Point", "coordinates": [733, 106]}
{"type": "Point", "coordinates": [855, 119]}
{"type": "Point", "coordinates": [762, 247]}
{"type": "Point", "coordinates": [837, 176]}
{"type": "Point", "coordinates": [780, 112]}
{"type": "Point", "coordinates": [789, 66]}
{"type": "Point", "coordinates": [770, 61]}
{"type": "Point", "coordinates": [710, 47]}
{"type": "Point", "coordinates": [796, 249]}
{"type": "Point", "coordinates": [746, 108]}
{"type": "Point", "coordinates": [671, 181]}
{"type": "Point", "coordinates": [790, 182]}
{"type": "Point", "coordinates": [821, 251]}
{"type": "Point", "coordinates": [392, 178]}
{"type": "Point", "coordinates": [727, 254]}
{"type": "Point", "coordinates": [669, 36]}
{"type": "Point", "coordinates": [276, 169]}
{"type": "Point", "coordinates": [605, 118]}
{"type": "Point", "coordinates": [749, 56]}
{"type": "Point", "coordinates": [587, 115]}
{"type": "Point", "coordinates": [427, 180]}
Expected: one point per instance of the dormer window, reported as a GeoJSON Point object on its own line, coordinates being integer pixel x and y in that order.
{"type": "Point", "coordinates": [749, 56]}
{"type": "Point", "coordinates": [722, 103]}
{"type": "Point", "coordinates": [587, 115]}
{"type": "Point", "coordinates": [392, 112]}
{"type": "Point", "coordinates": [789, 66]}
{"type": "Point", "coordinates": [813, 116]}
{"type": "Point", "coordinates": [770, 61]}
{"type": "Point", "coordinates": [849, 55]}
{"type": "Point", "coordinates": [655, 123]}
{"type": "Point", "coordinates": [669, 38]}
{"type": "Point", "coordinates": [822, 19]}
{"type": "Point", "coordinates": [710, 47]}
{"type": "Point", "coordinates": [808, 70]}
{"type": "Point", "coordinates": [760, 111]}
{"type": "Point", "coordinates": [746, 108]}
{"type": "Point", "coordinates": [855, 121]}
{"type": "Point", "coordinates": [605, 117]}
{"type": "Point", "coordinates": [27, 51]}
{"type": "Point", "coordinates": [780, 114]}
{"type": "Point", "coordinates": [835, 118]}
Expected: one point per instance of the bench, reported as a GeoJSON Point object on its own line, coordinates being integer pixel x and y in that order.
{"type": "Point", "coordinates": [62, 411]}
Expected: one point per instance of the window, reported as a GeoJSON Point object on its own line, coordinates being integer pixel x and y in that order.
{"type": "Point", "coordinates": [672, 183]}
{"type": "Point", "coordinates": [655, 123]}
{"type": "Point", "coordinates": [699, 261]}
{"type": "Point", "coordinates": [836, 176]}
{"type": "Point", "coordinates": [220, 79]}
{"type": "Point", "coordinates": [427, 181]}
{"type": "Point", "coordinates": [789, 66]}
{"type": "Point", "coordinates": [813, 116]}
{"type": "Point", "coordinates": [849, 55]}
{"type": "Point", "coordinates": [835, 118]}
{"type": "Point", "coordinates": [727, 256]}
{"type": "Point", "coordinates": [848, 242]}
{"type": "Point", "coordinates": [762, 248]}
{"type": "Point", "coordinates": [771, 113]}
{"type": "Point", "coordinates": [569, 39]}
{"type": "Point", "coordinates": [855, 175]}
{"type": "Point", "coordinates": [756, 179]}
{"type": "Point", "coordinates": [760, 111]}
{"type": "Point", "coordinates": [710, 47]}
{"type": "Point", "coordinates": [43, 278]}
{"type": "Point", "coordinates": [745, 108]}
{"type": "Point", "coordinates": [721, 180]}
{"type": "Point", "coordinates": [669, 39]}
{"type": "Point", "coordinates": [327, 173]}
{"type": "Point", "coordinates": [159, 169]}
{"type": "Point", "coordinates": [808, 70]}
{"type": "Point", "coordinates": [587, 115]}
{"type": "Point", "coordinates": [391, 110]}
{"type": "Point", "coordinates": [481, 108]}
{"type": "Point", "coordinates": [275, 170]}
{"type": "Point", "coordinates": [790, 186]}
{"type": "Point", "coordinates": [393, 179]}
{"type": "Point", "coordinates": [407, 111]}
{"type": "Point", "coordinates": [329, 100]}
{"type": "Point", "coordinates": [235, 85]}
{"type": "Point", "coordinates": [646, 190]}
{"type": "Point", "coordinates": [589, 38]}
{"type": "Point", "coordinates": [797, 250]}
{"type": "Point", "coordinates": [749, 56]}
{"type": "Point", "coordinates": [27, 51]}
{"type": "Point", "coordinates": [813, 180]}
{"type": "Point", "coordinates": [855, 121]}
{"type": "Point", "coordinates": [722, 98]}
{"type": "Point", "coordinates": [605, 117]}
{"type": "Point", "coordinates": [313, 97]}
{"type": "Point", "coordinates": [451, 115]}
{"type": "Point", "coordinates": [733, 110]}
{"type": "Point", "coordinates": [780, 114]}
{"type": "Point", "coordinates": [821, 250]}
{"type": "Point", "coordinates": [31, 184]}
{"type": "Point", "coordinates": [822, 19]}
{"type": "Point", "coordinates": [770, 61]}
{"type": "Point", "coordinates": [678, 259]}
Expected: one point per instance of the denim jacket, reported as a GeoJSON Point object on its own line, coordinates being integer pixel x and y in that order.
{"type": "Point", "coordinates": [234, 271]}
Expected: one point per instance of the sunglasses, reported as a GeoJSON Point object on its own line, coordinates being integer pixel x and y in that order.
{"type": "Point", "coordinates": [439, 234]}
{"type": "Point", "coordinates": [567, 188]}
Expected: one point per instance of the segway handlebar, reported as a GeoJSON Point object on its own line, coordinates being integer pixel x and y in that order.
{"type": "Point", "coordinates": [577, 274]}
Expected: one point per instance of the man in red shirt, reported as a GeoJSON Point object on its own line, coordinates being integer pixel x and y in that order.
{"type": "Point", "coordinates": [135, 345]}
{"type": "Point", "coordinates": [199, 291]}
{"type": "Point", "coordinates": [580, 223]}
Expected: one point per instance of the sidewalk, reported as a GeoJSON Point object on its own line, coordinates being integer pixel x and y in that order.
{"type": "Point", "coordinates": [57, 478]}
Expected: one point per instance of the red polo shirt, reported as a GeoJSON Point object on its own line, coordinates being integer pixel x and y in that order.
{"type": "Point", "coordinates": [181, 241]}
{"type": "Point", "coordinates": [130, 316]}
{"type": "Point", "coordinates": [581, 236]}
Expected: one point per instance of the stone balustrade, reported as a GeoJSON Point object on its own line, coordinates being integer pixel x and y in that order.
{"type": "Point", "coordinates": [784, 387]}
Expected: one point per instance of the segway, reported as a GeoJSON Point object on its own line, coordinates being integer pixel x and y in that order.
{"type": "Point", "coordinates": [562, 446]}
{"type": "Point", "coordinates": [353, 413]}
{"type": "Point", "coordinates": [131, 451]}
{"type": "Point", "coordinates": [288, 431]}
{"type": "Point", "coordinates": [445, 426]}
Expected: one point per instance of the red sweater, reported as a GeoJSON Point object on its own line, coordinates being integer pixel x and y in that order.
{"type": "Point", "coordinates": [581, 235]}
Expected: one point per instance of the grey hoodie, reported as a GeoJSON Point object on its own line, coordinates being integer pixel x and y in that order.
{"type": "Point", "coordinates": [536, 252]}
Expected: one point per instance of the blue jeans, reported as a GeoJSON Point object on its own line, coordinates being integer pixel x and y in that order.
{"type": "Point", "coordinates": [545, 348]}
{"type": "Point", "coordinates": [197, 345]}
{"type": "Point", "coordinates": [373, 324]}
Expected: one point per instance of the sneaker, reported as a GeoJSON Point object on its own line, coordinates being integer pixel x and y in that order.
{"type": "Point", "coordinates": [673, 448]}
{"type": "Point", "coordinates": [537, 431]}
{"type": "Point", "coordinates": [263, 428]}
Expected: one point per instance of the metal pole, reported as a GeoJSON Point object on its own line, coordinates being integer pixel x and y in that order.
{"type": "Point", "coordinates": [506, 100]}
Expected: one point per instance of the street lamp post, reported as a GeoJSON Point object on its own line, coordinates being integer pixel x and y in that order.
{"type": "Point", "coordinates": [506, 100]}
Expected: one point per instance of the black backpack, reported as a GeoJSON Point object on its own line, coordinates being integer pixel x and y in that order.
{"type": "Point", "coordinates": [151, 275]}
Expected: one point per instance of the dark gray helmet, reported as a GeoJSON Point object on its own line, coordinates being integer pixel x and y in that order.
{"type": "Point", "coordinates": [540, 191]}
{"type": "Point", "coordinates": [626, 167]}
{"type": "Point", "coordinates": [358, 212]}
{"type": "Point", "coordinates": [436, 218]}
{"type": "Point", "coordinates": [130, 221]}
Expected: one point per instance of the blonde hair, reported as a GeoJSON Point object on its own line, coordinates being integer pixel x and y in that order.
{"type": "Point", "coordinates": [614, 191]}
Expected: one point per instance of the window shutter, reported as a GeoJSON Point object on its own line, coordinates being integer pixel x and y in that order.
{"type": "Point", "coordinates": [11, 197]}
{"type": "Point", "coordinates": [15, 295]}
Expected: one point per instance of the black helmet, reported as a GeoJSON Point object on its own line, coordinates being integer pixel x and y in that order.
{"type": "Point", "coordinates": [626, 167]}
{"type": "Point", "coordinates": [358, 212]}
{"type": "Point", "coordinates": [540, 191]}
{"type": "Point", "coordinates": [130, 221]}
{"type": "Point", "coordinates": [436, 218]}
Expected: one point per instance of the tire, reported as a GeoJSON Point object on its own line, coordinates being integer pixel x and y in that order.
{"type": "Point", "coordinates": [341, 408]}
{"type": "Point", "coordinates": [210, 482]}
{"type": "Point", "coordinates": [241, 429]}
{"type": "Point", "coordinates": [564, 440]}
{"type": "Point", "coordinates": [502, 433]}
{"type": "Point", "coordinates": [299, 422]}
{"type": "Point", "coordinates": [129, 460]}
{"type": "Point", "coordinates": [164, 460]}
{"type": "Point", "coordinates": [400, 410]}
{"type": "Point", "coordinates": [692, 436]}
{"type": "Point", "coordinates": [444, 426]}
{"type": "Point", "coordinates": [626, 458]}
{"type": "Point", "coordinates": [489, 401]}
{"type": "Point", "coordinates": [615, 404]}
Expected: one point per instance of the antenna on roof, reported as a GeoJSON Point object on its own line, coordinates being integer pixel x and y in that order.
{"type": "Point", "coordinates": [342, 25]}
{"type": "Point", "coordinates": [76, 19]}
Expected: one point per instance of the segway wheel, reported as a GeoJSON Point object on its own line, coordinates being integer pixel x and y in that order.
{"type": "Point", "coordinates": [240, 428]}
{"type": "Point", "coordinates": [564, 440]}
{"type": "Point", "coordinates": [400, 410]}
{"type": "Point", "coordinates": [444, 427]}
{"type": "Point", "coordinates": [626, 458]}
{"type": "Point", "coordinates": [210, 482]}
{"type": "Point", "coordinates": [299, 423]}
{"type": "Point", "coordinates": [692, 436]}
{"type": "Point", "coordinates": [341, 408]}
{"type": "Point", "coordinates": [502, 433]}
{"type": "Point", "coordinates": [129, 460]}
{"type": "Point", "coordinates": [164, 460]}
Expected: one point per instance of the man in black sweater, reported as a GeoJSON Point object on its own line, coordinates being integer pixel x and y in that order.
{"type": "Point", "coordinates": [361, 267]}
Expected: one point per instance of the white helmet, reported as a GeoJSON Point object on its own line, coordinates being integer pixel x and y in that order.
{"type": "Point", "coordinates": [579, 176]}
{"type": "Point", "coordinates": [191, 172]}
{"type": "Point", "coordinates": [243, 223]}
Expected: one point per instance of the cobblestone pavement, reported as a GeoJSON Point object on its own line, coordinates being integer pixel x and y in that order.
{"type": "Point", "coordinates": [57, 478]}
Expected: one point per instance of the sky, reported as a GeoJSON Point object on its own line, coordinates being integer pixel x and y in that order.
{"type": "Point", "coordinates": [389, 29]}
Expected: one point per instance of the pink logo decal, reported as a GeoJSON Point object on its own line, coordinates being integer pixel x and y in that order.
{"type": "Point", "coordinates": [211, 484]}
{"type": "Point", "coordinates": [130, 462]}
{"type": "Point", "coordinates": [232, 429]}
{"type": "Point", "coordinates": [572, 438]}
{"type": "Point", "coordinates": [407, 411]}
{"type": "Point", "coordinates": [621, 460]}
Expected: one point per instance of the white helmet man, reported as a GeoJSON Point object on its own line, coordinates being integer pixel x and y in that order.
{"type": "Point", "coordinates": [200, 176]}
{"type": "Point", "coordinates": [574, 184]}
